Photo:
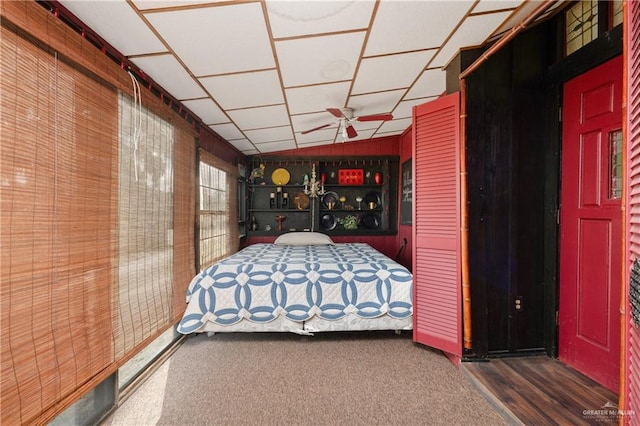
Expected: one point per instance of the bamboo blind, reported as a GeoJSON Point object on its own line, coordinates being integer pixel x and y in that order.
{"type": "Point", "coordinates": [184, 213]}
{"type": "Point", "coordinates": [69, 319]}
{"type": "Point", "coordinates": [58, 223]}
{"type": "Point", "coordinates": [145, 225]}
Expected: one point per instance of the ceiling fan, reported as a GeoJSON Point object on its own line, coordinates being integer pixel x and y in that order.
{"type": "Point", "coordinates": [345, 117]}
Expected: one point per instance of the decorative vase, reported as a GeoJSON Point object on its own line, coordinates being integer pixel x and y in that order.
{"type": "Point", "coordinates": [377, 178]}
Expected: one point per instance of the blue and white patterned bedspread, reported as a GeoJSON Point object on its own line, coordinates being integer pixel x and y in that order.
{"type": "Point", "coordinates": [264, 281]}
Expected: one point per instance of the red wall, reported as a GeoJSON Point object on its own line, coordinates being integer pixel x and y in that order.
{"type": "Point", "coordinates": [380, 146]}
{"type": "Point", "coordinates": [211, 142]}
{"type": "Point", "coordinates": [391, 145]}
{"type": "Point", "coordinates": [405, 231]}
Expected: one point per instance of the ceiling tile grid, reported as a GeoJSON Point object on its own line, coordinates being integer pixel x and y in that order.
{"type": "Point", "coordinates": [244, 90]}
{"type": "Point", "coordinates": [260, 73]}
{"type": "Point", "coordinates": [302, 18]}
{"type": "Point", "coordinates": [117, 23]}
{"type": "Point", "coordinates": [170, 75]}
{"type": "Point", "coordinates": [322, 59]}
{"type": "Point", "coordinates": [208, 111]}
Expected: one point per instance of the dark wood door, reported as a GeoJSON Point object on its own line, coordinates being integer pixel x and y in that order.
{"type": "Point", "coordinates": [436, 228]}
{"type": "Point", "coordinates": [590, 224]}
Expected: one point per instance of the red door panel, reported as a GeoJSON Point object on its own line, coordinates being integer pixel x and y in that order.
{"type": "Point", "coordinates": [590, 225]}
{"type": "Point", "coordinates": [436, 238]}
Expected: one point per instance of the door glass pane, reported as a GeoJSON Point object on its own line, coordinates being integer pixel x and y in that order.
{"type": "Point", "coordinates": [615, 164]}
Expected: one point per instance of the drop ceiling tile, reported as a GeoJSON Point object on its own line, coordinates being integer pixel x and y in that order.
{"type": "Point", "coordinates": [243, 144]}
{"type": "Point", "coordinates": [270, 135]}
{"type": "Point", "coordinates": [403, 26]}
{"type": "Point", "coordinates": [295, 18]}
{"type": "Point", "coordinates": [109, 18]}
{"type": "Point", "coordinates": [405, 108]}
{"type": "Point", "coordinates": [207, 110]}
{"type": "Point", "coordinates": [276, 146]}
{"type": "Point", "coordinates": [304, 122]}
{"type": "Point", "coordinates": [489, 5]}
{"type": "Point", "coordinates": [375, 103]}
{"type": "Point", "coordinates": [228, 131]}
{"type": "Point", "coordinates": [170, 75]}
{"type": "Point", "coordinates": [324, 135]}
{"type": "Point", "coordinates": [228, 38]}
{"type": "Point", "coordinates": [258, 118]}
{"type": "Point", "coordinates": [157, 4]}
{"type": "Point", "coordinates": [317, 98]}
{"type": "Point", "coordinates": [395, 125]}
{"type": "Point", "coordinates": [243, 90]}
{"type": "Point", "coordinates": [308, 60]}
{"type": "Point", "coordinates": [430, 83]}
{"type": "Point", "coordinates": [390, 72]}
{"type": "Point", "coordinates": [251, 152]}
{"type": "Point", "coordinates": [473, 32]}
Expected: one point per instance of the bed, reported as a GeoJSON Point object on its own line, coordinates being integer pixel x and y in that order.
{"type": "Point", "coordinates": [302, 283]}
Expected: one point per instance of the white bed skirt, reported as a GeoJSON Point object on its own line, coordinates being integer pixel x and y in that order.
{"type": "Point", "coordinates": [350, 322]}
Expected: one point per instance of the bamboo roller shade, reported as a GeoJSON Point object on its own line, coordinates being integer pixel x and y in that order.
{"type": "Point", "coordinates": [72, 308]}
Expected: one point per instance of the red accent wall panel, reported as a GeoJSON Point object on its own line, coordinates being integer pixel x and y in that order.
{"type": "Point", "coordinates": [631, 383]}
{"type": "Point", "coordinates": [211, 142]}
{"type": "Point", "coordinates": [378, 146]}
{"type": "Point", "coordinates": [405, 231]}
{"type": "Point", "coordinates": [436, 225]}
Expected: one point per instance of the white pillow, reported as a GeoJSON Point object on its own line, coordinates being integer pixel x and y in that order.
{"type": "Point", "coordinates": [303, 239]}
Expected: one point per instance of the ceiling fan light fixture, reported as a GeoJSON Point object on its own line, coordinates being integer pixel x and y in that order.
{"type": "Point", "coordinates": [345, 116]}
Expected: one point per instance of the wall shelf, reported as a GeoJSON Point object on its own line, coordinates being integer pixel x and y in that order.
{"type": "Point", "coordinates": [379, 220]}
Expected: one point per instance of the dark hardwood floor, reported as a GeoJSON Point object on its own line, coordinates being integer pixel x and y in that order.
{"type": "Point", "coordinates": [542, 391]}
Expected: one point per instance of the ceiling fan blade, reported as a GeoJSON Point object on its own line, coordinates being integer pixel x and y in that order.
{"type": "Point", "coordinates": [351, 132]}
{"type": "Point", "coordinates": [336, 112]}
{"type": "Point", "coordinates": [316, 128]}
{"type": "Point", "coordinates": [375, 117]}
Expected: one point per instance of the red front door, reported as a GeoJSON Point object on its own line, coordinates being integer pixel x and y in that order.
{"type": "Point", "coordinates": [590, 224]}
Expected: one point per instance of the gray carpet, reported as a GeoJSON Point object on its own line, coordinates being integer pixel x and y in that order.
{"type": "Point", "coordinates": [361, 378]}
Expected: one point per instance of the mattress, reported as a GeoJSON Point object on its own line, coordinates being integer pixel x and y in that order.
{"type": "Point", "coordinates": [270, 286]}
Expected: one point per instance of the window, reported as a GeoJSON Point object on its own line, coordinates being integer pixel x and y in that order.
{"type": "Point", "coordinates": [617, 12]}
{"type": "Point", "coordinates": [80, 258]}
{"type": "Point", "coordinates": [219, 231]}
{"type": "Point", "coordinates": [586, 20]}
{"type": "Point", "coordinates": [145, 224]}
{"type": "Point", "coordinates": [91, 408]}
{"type": "Point", "coordinates": [132, 369]}
{"type": "Point", "coordinates": [581, 24]}
{"type": "Point", "coordinates": [615, 165]}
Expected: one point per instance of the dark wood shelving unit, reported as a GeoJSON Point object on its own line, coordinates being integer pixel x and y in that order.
{"type": "Point", "coordinates": [379, 220]}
